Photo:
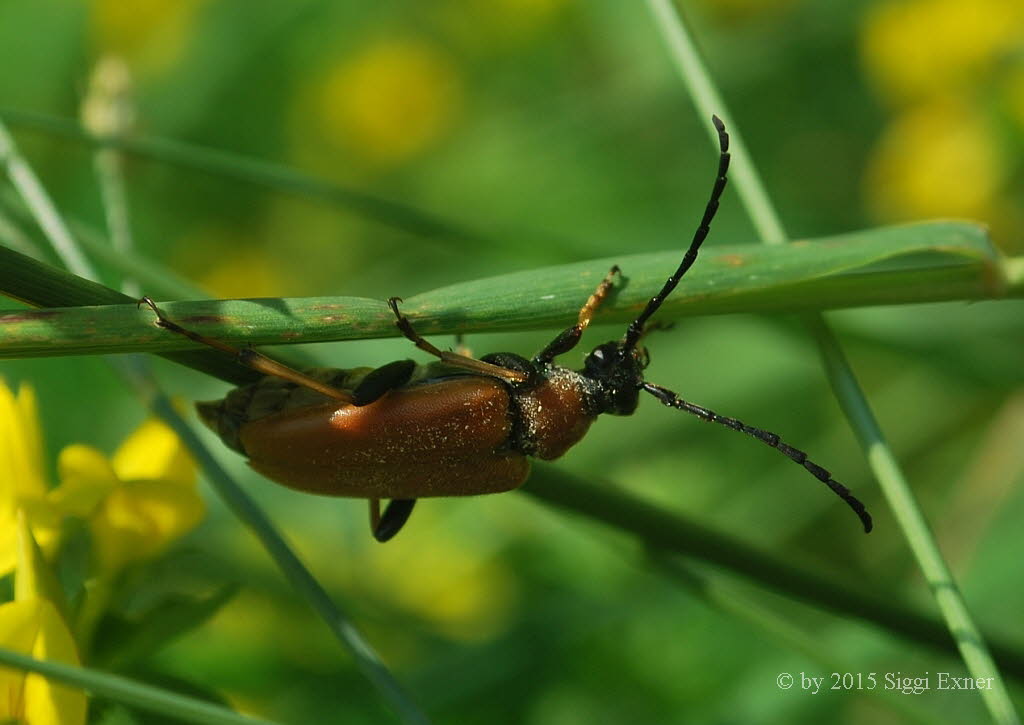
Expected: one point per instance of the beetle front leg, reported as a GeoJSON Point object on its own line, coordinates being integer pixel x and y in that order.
{"type": "Point", "coordinates": [569, 337]}
{"type": "Point", "coordinates": [395, 515]}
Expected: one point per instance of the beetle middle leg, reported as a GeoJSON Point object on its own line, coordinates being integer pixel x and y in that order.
{"type": "Point", "coordinates": [452, 358]}
{"type": "Point", "coordinates": [569, 337]}
{"type": "Point", "coordinates": [395, 515]}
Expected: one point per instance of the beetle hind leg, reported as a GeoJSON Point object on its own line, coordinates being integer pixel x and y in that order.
{"type": "Point", "coordinates": [384, 527]}
{"type": "Point", "coordinates": [247, 356]}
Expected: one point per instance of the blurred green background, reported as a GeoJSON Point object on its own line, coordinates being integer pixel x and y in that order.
{"type": "Point", "coordinates": [556, 131]}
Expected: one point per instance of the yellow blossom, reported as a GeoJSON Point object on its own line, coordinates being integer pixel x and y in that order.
{"type": "Point", "coordinates": [32, 625]}
{"type": "Point", "coordinates": [916, 48]}
{"type": "Point", "coordinates": [136, 503]}
{"type": "Point", "coordinates": [390, 101]}
{"type": "Point", "coordinates": [150, 34]}
{"type": "Point", "coordinates": [921, 163]}
{"type": "Point", "coordinates": [22, 477]}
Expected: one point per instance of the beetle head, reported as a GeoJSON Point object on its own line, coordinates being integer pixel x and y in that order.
{"type": "Point", "coordinates": [618, 372]}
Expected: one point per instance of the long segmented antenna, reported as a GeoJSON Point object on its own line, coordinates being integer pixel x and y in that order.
{"type": "Point", "coordinates": [674, 401]}
{"type": "Point", "coordinates": [636, 327]}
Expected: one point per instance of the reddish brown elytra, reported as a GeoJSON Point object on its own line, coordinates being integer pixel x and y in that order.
{"type": "Point", "coordinates": [458, 426]}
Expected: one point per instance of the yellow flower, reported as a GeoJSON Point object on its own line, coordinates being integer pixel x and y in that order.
{"type": "Point", "coordinates": [22, 478]}
{"type": "Point", "coordinates": [390, 102]}
{"type": "Point", "coordinates": [150, 34]}
{"type": "Point", "coordinates": [920, 165]}
{"type": "Point", "coordinates": [138, 502]}
{"type": "Point", "coordinates": [32, 625]}
{"type": "Point", "coordinates": [922, 47]}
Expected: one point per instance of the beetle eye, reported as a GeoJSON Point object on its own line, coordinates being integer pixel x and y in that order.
{"type": "Point", "coordinates": [601, 358]}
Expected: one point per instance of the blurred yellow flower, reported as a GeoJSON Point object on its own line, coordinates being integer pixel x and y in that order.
{"type": "Point", "coordinates": [916, 48]}
{"type": "Point", "coordinates": [936, 160]}
{"type": "Point", "coordinates": [248, 271]}
{"type": "Point", "coordinates": [150, 34]}
{"type": "Point", "coordinates": [464, 593]}
{"type": "Point", "coordinates": [389, 102]}
{"type": "Point", "coordinates": [32, 625]}
{"type": "Point", "coordinates": [138, 502]}
{"type": "Point", "coordinates": [947, 67]}
{"type": "Point", "coordinates": [22, 477]}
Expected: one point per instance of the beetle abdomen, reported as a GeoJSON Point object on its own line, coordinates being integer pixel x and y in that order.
{"type": "Point", "coordinates": [447, 437]}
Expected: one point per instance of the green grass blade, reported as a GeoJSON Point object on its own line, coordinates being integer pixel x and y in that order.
{"type": "Point", "coordinates": [908, 264]}
{"type": "Point", "coordinates": [134, 694]}
{"type": "Point", "coordinates": [844, 384]}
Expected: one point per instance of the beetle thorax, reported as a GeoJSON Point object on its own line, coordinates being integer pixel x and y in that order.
{"type": "Point", "coordinates": [553, 414]}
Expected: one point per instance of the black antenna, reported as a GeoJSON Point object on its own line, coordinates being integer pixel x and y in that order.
{"type": "Point", "coordinates": [636, 328]}
{"type": "Point", "coordinates": [771, 439]}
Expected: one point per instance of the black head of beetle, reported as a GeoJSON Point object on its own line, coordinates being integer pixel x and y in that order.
{"type": "Point", "coordinates": [617, 372]}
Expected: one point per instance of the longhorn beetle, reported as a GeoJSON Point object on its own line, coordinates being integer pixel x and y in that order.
{"type": "Point", "coordinates": [455, 427]}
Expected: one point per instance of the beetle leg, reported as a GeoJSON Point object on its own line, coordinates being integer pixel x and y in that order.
{"type": "Point", "coordinates": [248, 357]}
{"type": "Point", "coordinates": [379, 381]}
{"type": "Point", "coordinates": [568, 338]}
{"type": "Point", "coordinates": [451, 358]}
{"type": "Point", "coordinates": [395, 515]}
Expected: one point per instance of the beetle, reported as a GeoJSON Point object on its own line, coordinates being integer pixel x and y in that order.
{"type": "Point", "coordinates": [459, 425]}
